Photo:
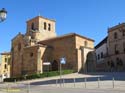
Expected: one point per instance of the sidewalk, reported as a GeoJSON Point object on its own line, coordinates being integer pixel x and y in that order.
{"type": "Point", "coordinates": [68, 76]}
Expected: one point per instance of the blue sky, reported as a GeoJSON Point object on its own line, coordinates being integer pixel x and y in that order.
{"type": "Point", "coordinates": [89, 18]}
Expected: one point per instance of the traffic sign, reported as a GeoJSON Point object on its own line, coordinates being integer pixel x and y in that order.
{"type": "Point", "coordinates": [63, 60]}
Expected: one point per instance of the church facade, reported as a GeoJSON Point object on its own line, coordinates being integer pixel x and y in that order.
{"type": "Point", "coordinates": [40, 45]}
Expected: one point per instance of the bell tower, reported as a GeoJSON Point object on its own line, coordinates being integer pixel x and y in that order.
{"type": "Point", "coordinates": [40, 28]}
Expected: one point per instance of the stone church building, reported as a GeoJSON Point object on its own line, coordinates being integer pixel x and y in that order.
{"type": "Point", "coordinates": [40, 45]}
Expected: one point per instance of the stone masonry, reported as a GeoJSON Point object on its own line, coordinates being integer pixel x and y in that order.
{"type": "Point", "coordinates": [40, 45]}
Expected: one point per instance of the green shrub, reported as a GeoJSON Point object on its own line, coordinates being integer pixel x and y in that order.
{"type": "Point", "coordinates": [13, 79]}
{"type": "Point", "coordinates": [41, 75]}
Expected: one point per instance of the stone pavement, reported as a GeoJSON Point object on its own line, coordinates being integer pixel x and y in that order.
{"type": "Point", "coordinates": [93, 84]}
{"type": "Point", "coordinates": [43, 89]}
{"type": "Point", "coordinates": [48, 89]}
{"type": "Point", "coordinates": [74, 75]}
{"type": "Point", "coordinates": [103, 75]}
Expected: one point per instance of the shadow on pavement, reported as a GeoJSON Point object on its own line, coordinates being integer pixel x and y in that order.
{"type": "Point", "coordinates": [101, 76]}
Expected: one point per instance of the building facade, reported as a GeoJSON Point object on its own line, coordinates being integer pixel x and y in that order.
{"type": "Point", "coordinates": [5, 65]}
{"type": "Point", "coordinates": [116, 47]}
{"type": "Point", "coordinates": [101, 51]}
{"type": "Point", "coordinates": [40, 45]}
{"type": "Point", "coordinates": [115, 58]}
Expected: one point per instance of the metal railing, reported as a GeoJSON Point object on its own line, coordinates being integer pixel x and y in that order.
{"type": "Point", "coordinates": [96, 82]}
{"type": "Point", "coordinates": [87, 83]}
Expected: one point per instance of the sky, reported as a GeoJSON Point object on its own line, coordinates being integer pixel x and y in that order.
{"type": "Point", "coordinates": [90, 18]}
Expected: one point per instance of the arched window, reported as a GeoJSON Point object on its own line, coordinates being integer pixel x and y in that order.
{"type": "Point", "coordinates": [32, 26]}
{"type": "Point", "coordinates": [31, 54]}
{"type": "Point", "coordinates": [44, 25]}
{"type": "Point", "coordinates": [49, 27]}
{"type": "Point", "coordinates": [5, 66]}
{"type": "Point", "coordinates": [5, 59]}
{"type": "Point", "coordinates": [115, 35]}
{"type": "Point", "coordinates": [85, 43]}
{"type": "Point", "coordinates": [54, 65]}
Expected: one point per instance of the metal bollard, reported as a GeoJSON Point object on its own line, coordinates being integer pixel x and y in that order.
{"type": "Point", "coordinates": [28, 88]}
{"type": "Point", "coordinates": [63, 82]}
{"type": "Point", "coordinates": [15, 80]}
{"type": "Point", "coordinates": [85, 82]}
{"type": "Point", "coordinates": [56, 82]}
{"type": "Point", "coordinates": [74, 82]}
{"type": "Point", "coordinates": [7, 88]}
{"type": "Point", "coordinates": [60, 82]}
{"type": "Point", "coordinates": [98, 82]}
{"type": "Point", "coordinates": [113, 82]}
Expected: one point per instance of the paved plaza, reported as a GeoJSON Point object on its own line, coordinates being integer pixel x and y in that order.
{"type": "Point", "coordinates": [75, 83]}
{"type": "Point", "coordinates": [47, 89]}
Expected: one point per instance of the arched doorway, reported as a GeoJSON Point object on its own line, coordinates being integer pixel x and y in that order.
{"type": "Point", "coordinates": [54, 65]}
{"type": "Point", "coordinates": [90, 62]}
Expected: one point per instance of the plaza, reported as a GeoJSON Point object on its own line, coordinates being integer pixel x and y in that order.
{"type": "Point", "coordinates": [92, 85]}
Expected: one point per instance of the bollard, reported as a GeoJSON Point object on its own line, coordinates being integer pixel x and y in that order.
{"type": "Point", "coordinates": [63, 82]}
{"type": "Point", "coordinates": [113, 82]}
{"type": "Point", "coordinates": [98, 82]}
{"type": "Point", "coordinates": [7, 88]}
{"type": "Point", "coordinates": [74, 82]}
{"type": "Point", "coordinates": [85, 82]}
{"type": "Point", "coordinates": [28, 87]}
{"type": "Point", "coordinates": [15, 80]}
{"type": "Point", "coordinates": [60, 82]}
{"type": "Point", "coordinates": [56, 82]}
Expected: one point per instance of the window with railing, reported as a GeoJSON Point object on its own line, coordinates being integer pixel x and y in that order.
{"type": "Point", "coordinates": [116, 49]}
{"type": "Point", "coordinates": [102, 56]}
{"type": "Point", "coordinates": [123, 32]}
{"type": "Point", "coordinates": [98, 57]}
{"type": "Point", "coordinates": [124, 47]}
{"type": "Point", "coordinates": [115, 35]}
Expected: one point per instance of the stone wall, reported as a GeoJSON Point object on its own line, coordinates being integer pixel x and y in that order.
{"type": "Point", "coordinates": [116, 47]}
{"type": "Point", "coordinates": [17, 52]}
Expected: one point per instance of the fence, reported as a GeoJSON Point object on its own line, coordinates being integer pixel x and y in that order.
{"type": "Point", "coordinates": [87, 83]}
{"type": "Point", "coordinates": [96, 82]}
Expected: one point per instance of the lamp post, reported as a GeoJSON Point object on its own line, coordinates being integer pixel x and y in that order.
{"type": "Point", "coordinates": [3, 14]}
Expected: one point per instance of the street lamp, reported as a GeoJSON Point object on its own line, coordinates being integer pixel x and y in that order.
{"type": "Point", "coordinates": [3, 14]}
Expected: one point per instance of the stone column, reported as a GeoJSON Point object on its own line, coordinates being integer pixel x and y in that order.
{"type": "Point", "coordinates": [83, 60]}
{"type": "Point", "coordinates": [39, 63]}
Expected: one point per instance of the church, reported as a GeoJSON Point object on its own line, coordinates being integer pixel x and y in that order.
{"type": "Point", "coordinates": [40, 50]}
